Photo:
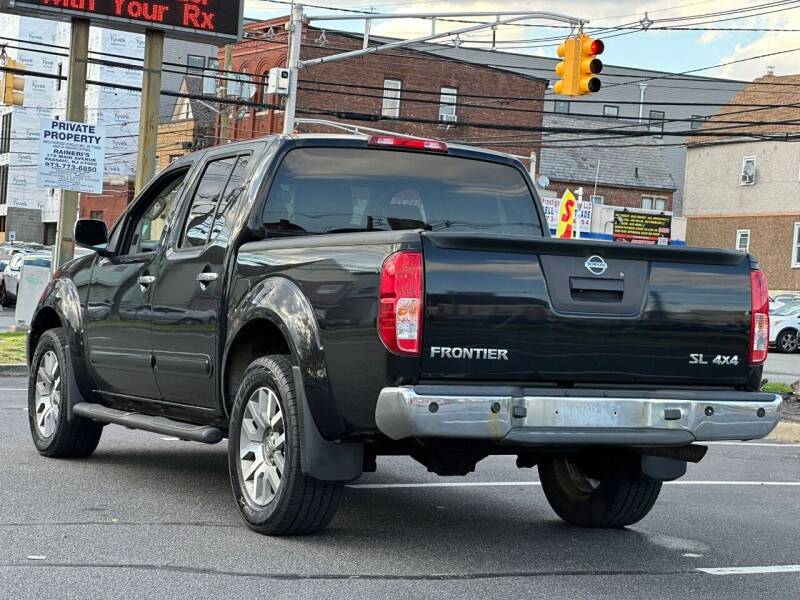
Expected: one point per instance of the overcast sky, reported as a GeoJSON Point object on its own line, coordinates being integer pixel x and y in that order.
{"type": "Point", "coordinates": [662, 50]}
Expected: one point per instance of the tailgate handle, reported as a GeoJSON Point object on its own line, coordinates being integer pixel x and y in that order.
{"type": "Point", "coordinates": [586, 289]}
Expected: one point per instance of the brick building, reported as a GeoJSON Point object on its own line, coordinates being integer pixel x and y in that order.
{"type": "Point", "coordinates": [629, 172]}
{"type": "Point", "coordinates": [385, 89]}
{"type": "Point", "coordinates": [109, 205]}
{"type": "Point", "coordinates": [743, 193]}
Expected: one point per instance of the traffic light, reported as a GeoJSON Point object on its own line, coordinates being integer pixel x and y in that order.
{"type": "Point", "coordinates": [13, 88]}
{"type": "Point", "coordinates": [578, 66]}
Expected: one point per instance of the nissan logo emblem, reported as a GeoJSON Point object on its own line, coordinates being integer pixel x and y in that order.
{"type": "Point", "coordinates": [595, 265]}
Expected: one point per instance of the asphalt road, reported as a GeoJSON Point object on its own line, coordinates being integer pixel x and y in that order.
{"type": "Point", "coordinates": [153, 518]}
{"type": "Point", "coordinates": [6, 318]}
{"type": "Point", "coordinates": [782, 368]}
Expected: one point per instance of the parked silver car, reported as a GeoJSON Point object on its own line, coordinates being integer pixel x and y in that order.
{"type": "Point", "coordinates": [9, 280]}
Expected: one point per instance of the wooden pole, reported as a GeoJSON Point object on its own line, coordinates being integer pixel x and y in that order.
{"type": "Point", "coordinates": [148, 113]}
{"type": "Point", "coordinates": [76, 111]}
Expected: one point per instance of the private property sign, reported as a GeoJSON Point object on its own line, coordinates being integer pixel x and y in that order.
{"type": "Point", "coordinates": [209, 21]}
{"type": "Point", "coordinates": [71, 156]}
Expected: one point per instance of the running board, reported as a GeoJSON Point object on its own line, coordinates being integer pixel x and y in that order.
{"type": "Point", "coordinates": [162, 425]}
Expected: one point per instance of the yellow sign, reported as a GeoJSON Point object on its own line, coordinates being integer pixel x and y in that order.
{"type": "Point", "coordinates": [566, 216]}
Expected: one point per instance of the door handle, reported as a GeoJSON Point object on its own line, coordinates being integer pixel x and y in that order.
{"type": "Point", "coordinates": [206, 277]}
{"type": "Point", "coordinates": [144, 281]}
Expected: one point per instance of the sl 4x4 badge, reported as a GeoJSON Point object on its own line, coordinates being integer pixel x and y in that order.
{"type": "Point", "coordinates": [719, 359]}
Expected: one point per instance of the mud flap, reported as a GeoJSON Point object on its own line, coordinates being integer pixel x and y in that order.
{"type": "Point", "coordinates": [319, 458]}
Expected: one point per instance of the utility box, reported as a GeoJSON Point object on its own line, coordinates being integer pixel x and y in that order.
{"type": "Point", "coordinates": [278, 81]}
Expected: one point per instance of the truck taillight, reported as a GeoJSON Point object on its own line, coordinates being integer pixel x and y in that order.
{"type": "Point", "coordinates": [759, 322]}
{"type": "Point", "coordinates": [400, 304]}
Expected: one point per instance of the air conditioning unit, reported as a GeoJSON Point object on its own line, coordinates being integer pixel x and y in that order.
{"type": "Point", "coordinates": [448, 118]}
{"type": "Point", "coordinates": [748, 172]}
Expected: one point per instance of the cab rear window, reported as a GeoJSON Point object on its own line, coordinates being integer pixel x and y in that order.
{"type": "Point", "coordinates": [339, 190]}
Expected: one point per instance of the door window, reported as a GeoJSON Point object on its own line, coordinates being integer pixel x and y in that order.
{"type": "Point", "coordinates": [153, 220]}
{"type": "Point", "coordinates": [204, 204]}
{"type": "Point", "coordinates": [223, 222]}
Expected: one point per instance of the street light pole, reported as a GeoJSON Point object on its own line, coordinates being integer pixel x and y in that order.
{"type": "Point", "coordinates": [293, 62]}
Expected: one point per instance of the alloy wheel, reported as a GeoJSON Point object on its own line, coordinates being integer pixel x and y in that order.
{"type": "Point", "coordinates": [262, 444]}
{"type": "Point", "coordinates": [789, 342]}
{"type": "Point", "coordinates": [48, 394]}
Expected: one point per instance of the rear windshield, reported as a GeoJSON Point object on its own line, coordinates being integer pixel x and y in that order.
{"type": "Point", "coordinates": [339, 190]}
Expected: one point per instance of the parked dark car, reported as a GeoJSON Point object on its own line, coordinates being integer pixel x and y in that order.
{"type": "Point", "coordinates": [321, 301]}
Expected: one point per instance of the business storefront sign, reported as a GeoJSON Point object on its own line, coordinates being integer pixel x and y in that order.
{"type": "Point", "coordinates": [642, 228]}
{"type": "Point", "coordinates": [208, 21]}
{"type": "Point", "coordinates": [552, 208]}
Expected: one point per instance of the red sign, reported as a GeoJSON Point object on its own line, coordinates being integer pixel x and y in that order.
{"type": "Point", "coordinates": [210, 21]}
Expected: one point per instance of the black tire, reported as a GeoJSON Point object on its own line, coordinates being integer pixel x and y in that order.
{"type": "Point", "coordinates": [786, 342]}
{"type": "Point", "coordinates": [302, 505]}
{"type": "Point", "coordinates": [77, 438]}
{"type": "Point", "coordinates": [614, 495]}
{"type": "Point", "coordinates": [5, 301]}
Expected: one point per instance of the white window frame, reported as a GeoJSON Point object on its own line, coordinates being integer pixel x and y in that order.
{"type": "Point", "coordinates": [391, 98]}
{"type": "Point", "coordinates": [563, 103]}
{"type": "Point", "coordinates": [614, 108]}
{"type": "Point", "coordinates": [741, 233]}
{"type": "Point", "coordinates": [653, 200]}
{"type": "Point", "coordinates": [655, 125]}
{"type": "Point", "coordinates": [448, 102]}
{"type": "Point", "coordinates": [755, 171]}
{"type": "Point", "coordinates": [795, 244]}
{"type": "Point", "coordinates": [598, 199]}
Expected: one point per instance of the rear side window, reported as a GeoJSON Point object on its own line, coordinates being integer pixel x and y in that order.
{"type": "Point", "coordinates": [204, 203]}
{"type": "Point", "coordinates": [337, 190]}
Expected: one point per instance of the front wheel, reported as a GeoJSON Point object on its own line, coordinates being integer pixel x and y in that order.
{"type": "Point", "coordinates": [787, 342]}
{"type": "Point", "coordinates": [48, 397]}
{"type": "Point", "coordinates": [607, 493]}
{"type": "Point", "coordinates": [272, 494]}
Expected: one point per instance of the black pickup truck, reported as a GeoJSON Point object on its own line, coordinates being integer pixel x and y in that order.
{"type": "Point", "coordinates": [324, 300]}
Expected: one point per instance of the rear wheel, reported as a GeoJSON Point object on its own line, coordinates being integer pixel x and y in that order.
{"type": "Point", "coordinates": [787, 342]}
{"type": "Point", "coordinates": [606, 493]}
{"type": "Point", "coordinates": [48, 397]}
{"type": "Point", "coordinates": [272, 494]}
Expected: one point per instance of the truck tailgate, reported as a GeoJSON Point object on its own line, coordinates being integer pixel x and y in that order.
{"type": "Point", "coordinates": [583, 312]}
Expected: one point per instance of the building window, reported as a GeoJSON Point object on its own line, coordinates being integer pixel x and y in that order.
{"type": "Point", "coordinates": [3, 224]}
{"type": "Point", "coordinates": [96, 214]}
{"type": "Point", "coordinates": [749, 170]}
{"type": "Point", "coordinates": [210, 77]}
{"type": "Point", "coordinates": [656, 125]}
{"type": "Point", "coordinates": [195, 64]}
{"type": "Point", "coordinates": [796, 246]}
{"type": "Point", "coordinates": [561, 106]}
{"type": "Point", "coordinates": [3, 184]}
{"type": "Point", "coordinates": [743, 240]}
{"type": "Point", "coordinates": [597, 199]}
{"type": "Point", "coordinates": [654, 203]}
{"type": "Point", "coordinates": [697, 121]}
{"type": "Point", "coordinates": [447, 105]}
{"type": "Point", "coordinates": [5, 133]}
{"type": "Point", "coordinates": [391, 98]}
{"type": "Point", "coordinates": [611, 110]}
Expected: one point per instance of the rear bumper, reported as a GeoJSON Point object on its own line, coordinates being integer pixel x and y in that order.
{"type": "Point", "coordinates": [537, 417]}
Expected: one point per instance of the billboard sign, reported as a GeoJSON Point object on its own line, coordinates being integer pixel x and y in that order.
{"type": "Point", "coordinates": [71, 156]}
{"type": "Point", "coordinates": [208, 21]}
{"type": "Point", "coordinates": [642, 228]}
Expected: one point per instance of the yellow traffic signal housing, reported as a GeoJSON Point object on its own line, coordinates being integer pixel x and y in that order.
{"type": "Point", "coordinates": [579, 66]}
{"type": "Point", "coordinates": [13, 88]}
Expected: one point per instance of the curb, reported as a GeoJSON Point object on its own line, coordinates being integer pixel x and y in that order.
{"type": "Point", "coordinates": [13, 370]}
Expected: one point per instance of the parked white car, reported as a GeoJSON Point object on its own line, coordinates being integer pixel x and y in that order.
{"type": "Point", "coordinates": [775, 302]}
{"type": "Point", "coordinates": [784, 325]}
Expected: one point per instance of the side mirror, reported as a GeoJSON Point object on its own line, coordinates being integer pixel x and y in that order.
{"type": "Point", "coordinates": [92, 234]}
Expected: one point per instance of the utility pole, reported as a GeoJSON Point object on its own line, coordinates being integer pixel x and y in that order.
{"type": "Point", "coordinates": [76, 111]}
{"type": "Point", "coordinates": [225, 113]}
{"type": "Point", "coordinates": [148, 118]}
{"type": "Point", "coordinates": [295, 27]}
